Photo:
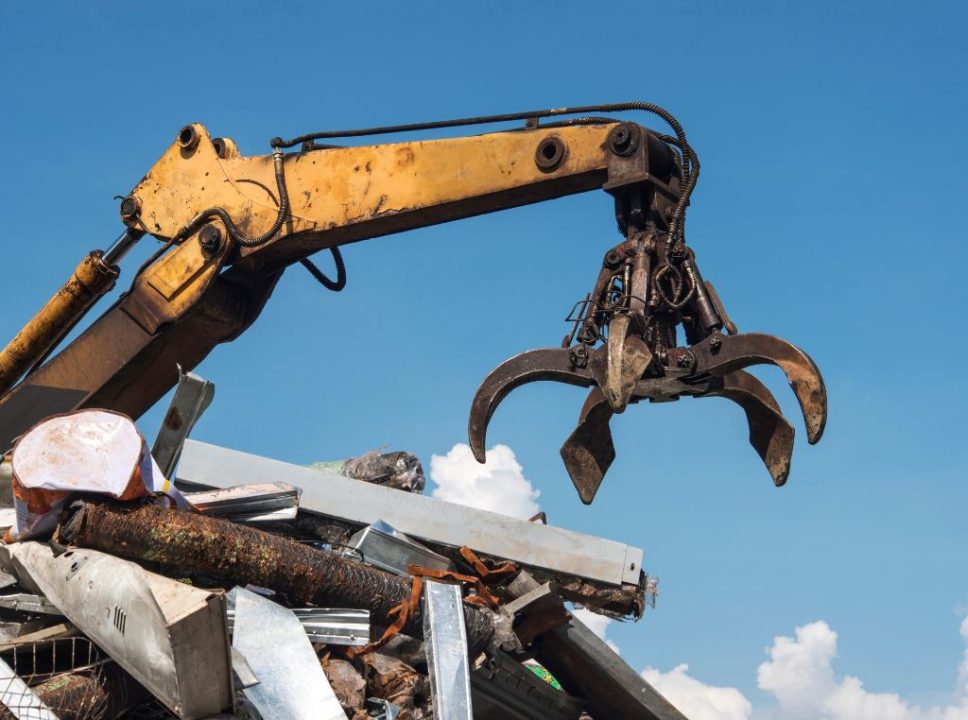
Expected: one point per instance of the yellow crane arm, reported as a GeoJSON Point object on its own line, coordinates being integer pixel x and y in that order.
{"type": "Point", "coordinates": [232, 223]}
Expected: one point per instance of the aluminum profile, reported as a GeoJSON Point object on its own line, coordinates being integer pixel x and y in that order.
{"type": "Point", "coordinates": [421, 516]}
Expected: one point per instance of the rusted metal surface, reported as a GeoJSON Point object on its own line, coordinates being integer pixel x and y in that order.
{"type": "Point", "coordinates": [348, 684]}
{"type": "Point", "coordinates": [396, 681]}
{"type": "Point", "coordinates": [90, 281]}
{"type": "Point", "coordinates": [770, 433]}
{"type": "Point", "coordinates": [587, 668]}
{"type": "Point", "coordinates": [244, 555]}
{"type": "Point", "coordinates": [720, 354]}
{"type": "Point", "coordinates": [589, 451]}
{"type": "Point", "coordinates": [74, 697]}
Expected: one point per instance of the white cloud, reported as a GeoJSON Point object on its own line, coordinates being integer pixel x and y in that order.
{"type": "Point", "coordinates": [800, 675]}
{"type": "Point", "coordinates": [499, 485]}
{"type": "Point", "coordinates": [695, 699]}
{"type": "Point", "coordinates": [801, 678]}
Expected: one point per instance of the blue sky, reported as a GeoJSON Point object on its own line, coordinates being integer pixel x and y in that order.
{"type": "Point", "coordinates": [829, 212]}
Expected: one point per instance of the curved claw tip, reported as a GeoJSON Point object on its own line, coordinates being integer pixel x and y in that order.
{"type": "Point", "coordinates": [476, 441]}
{"type": "Point", "coordinates": [815, 426]}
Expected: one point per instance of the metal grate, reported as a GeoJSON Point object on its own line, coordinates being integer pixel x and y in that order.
{"type": "Point", "coordinates": [53, 680]}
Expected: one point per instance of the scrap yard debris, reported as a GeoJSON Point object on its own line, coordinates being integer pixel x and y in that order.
{"type": "Point", "coordinates": [242, 587]}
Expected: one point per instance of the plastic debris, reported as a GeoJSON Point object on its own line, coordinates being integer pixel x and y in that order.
{"type": "Point", "coordinates": [398, 470]}
{"type": "Point", "coordinates": [89, 451]}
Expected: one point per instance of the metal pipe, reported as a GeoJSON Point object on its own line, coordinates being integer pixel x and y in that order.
{"type": "Point", "coordinates": [179, 540]}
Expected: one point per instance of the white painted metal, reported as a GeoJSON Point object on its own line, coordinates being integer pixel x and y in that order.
{"type": "Point", "coordinates": [328, 493]}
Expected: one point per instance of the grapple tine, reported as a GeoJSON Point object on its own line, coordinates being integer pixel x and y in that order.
{"type": "Point", "coordinates": [588, 452]}
{"type": "Point", "coordinates": [556, 364]}
{"type": "Point", "coordinates": [627, 357]}
{"type": "Point", "coordinates": [720, 355]}
{"type": "Point", "coordinates": [770, 433]}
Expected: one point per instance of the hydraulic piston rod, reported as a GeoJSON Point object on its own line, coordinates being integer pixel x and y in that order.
{"type": "Point", "coordinates": [93, 278]}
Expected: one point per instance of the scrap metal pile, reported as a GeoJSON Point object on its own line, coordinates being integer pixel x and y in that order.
{"type": "Point", "coordinates": [239, 586]}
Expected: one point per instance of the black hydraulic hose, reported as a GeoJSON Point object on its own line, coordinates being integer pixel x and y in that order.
{"type": "Point", "coordinates": [690, 169]}
{"type": "Point", "coordinates": [335, 285]}
{"type": "Point", "coordinates": [233, 230]}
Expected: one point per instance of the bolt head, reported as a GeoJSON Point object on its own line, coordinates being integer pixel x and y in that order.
{"type": "Point", "coordinates": [210, 238]}
{"type": "Point", "coordinates": [623, 139]}
{"type": "Point", "coordinates": [130, 207]}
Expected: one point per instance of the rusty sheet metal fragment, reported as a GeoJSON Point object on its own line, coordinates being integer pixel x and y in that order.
{"type": "Point", "coordinates": [179, 540]}
{"type": "Point", "coordinates": [192, 397]}
{"type": "Point", "coordinates": [628, 357]}
{"type": "Point", "coordinates": [292, 685]}
{"type": "Point", "coordinates": [553, 549]}
{"type": "Point", "coordinates": [347, 683]}
{"type": "Point", "coordinates": [448, 664]}
{"type": "Point", "coordinates": [395, 681]}
{"type": "Point", "coordinates": [169, 636]}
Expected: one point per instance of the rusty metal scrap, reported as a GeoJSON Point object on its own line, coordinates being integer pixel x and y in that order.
{"type": "Point", "coordinates": [211, 546]}
{"type": "Point", "coordinates": [74, 697]}
{"type": "Point", "coordinates": [394, 680]}
{"type": "Point", "coordinates": [347, 683]}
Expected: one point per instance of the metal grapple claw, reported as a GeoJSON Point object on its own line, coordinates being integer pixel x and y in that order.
{"type": "Point", "coordinates": [624, 344]}
{"type": "Point", "coordinates": [770, 433]}
{"type": "Point", "coordinates": [567, 365]}
{"type": "Point", "coordinates": [723, 354]}
{"type": "Point", "coordinates": [588, 452]}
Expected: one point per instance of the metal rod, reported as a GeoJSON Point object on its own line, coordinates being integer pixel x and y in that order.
{"type": "Point", "coordinates": [126, 240]}
{"type": "Point", "coordinates": [220, 548]}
